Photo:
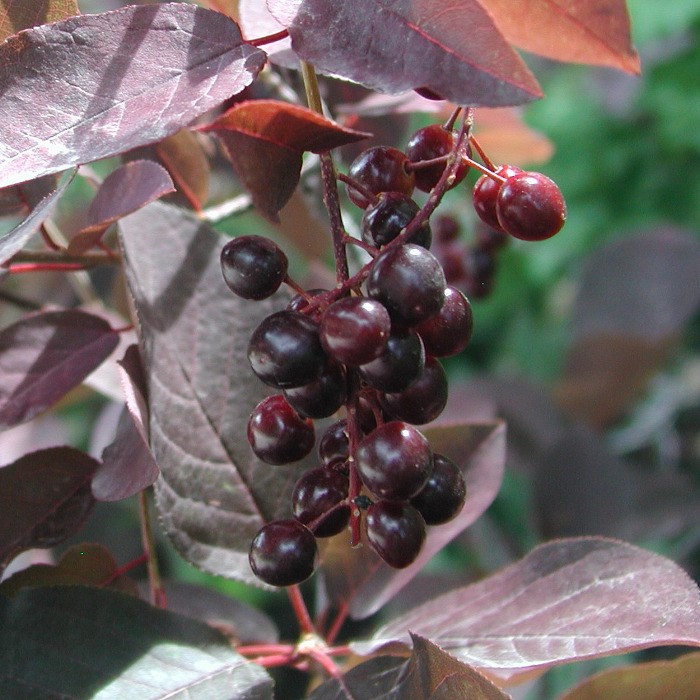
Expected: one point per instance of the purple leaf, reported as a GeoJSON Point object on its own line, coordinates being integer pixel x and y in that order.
{"type": "Point", "coordinates": [359, 577]}
{"type": "Point", "coordinates": [44, 356]}
{"type": "Point", "coordinates": [452, 48]}
{"type": "Point", "coordinates": [16, 239]}
{"type": "Point", "coordinates": [44, 498]}
{"type": "Point", "coordinates": [428, 674]}
{"type": "Point", "coordinates": [213, 494]}
{"type": "Point", "coordinates": [257, 21]}
{"type": "Point", "coordinates": [128, 77]}
{"type": "Point", "coordinates": [567, 600]}
{"type": "Point", "coordinates": [128, 188]}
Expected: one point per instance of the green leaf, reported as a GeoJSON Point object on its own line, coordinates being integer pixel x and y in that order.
{"type": "Point", "coordinates": [80, 642]}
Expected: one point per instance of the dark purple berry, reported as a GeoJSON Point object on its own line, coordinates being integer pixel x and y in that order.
{"type": "Point", "coordinates": [323, 396]}
{"type": "Point", "coordinates": [481, 270]}
{"type": "Point", "coordinates": [400, 363]}
{"type": "Point", "coordinates": [394, 461]}
{"type": "Point", "coordinates": [317, 501]}
{"type": "Point", "coordinates": [388, 216]}
{"type": "Point", "coordinates": [355, 330]}
{"type": "Point", "coordinates": [448, 332]}
{"type": "Point", "coordinates": [442, 498]}
{"type": "Point", "coordinates": [285, 351]}
{"type": "Point", "coordinates": [486, 192]}
{"type": "Point", "coordinates": [277, 433]}
{"type": "Point", "coordinates": [445, 228]}
{"type": "Point", "coordinates": [254, 267]}
{"type": "Point", "coordinates": [408, 280]}
{"type": "Point", "coordinates": [396, 532]}
{"type": "Point", "coordinates": [424, 399]}
{"type": "Point", "coordinates": [531, 207]}
{"type": "Point", "coordinates": [380, 169]}
{"type": "Point", "coordinates": [334, 446]}
{"type": "Point", "coordinates": [430, 142]}
{"type": "Point", "coordinates": [283, 553]}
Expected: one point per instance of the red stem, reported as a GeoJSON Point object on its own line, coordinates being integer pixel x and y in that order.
{"type": "Point", "coordinates": [482, 154]}
{"type": "Point", "coordinates": [270, 38]}
{"type": "Point", "coordinates": [125, 569]}
{"type": "Point", "coordinates": [20, 268]}
{"type": "Point", "coordinates": [337, 623]}
{"type": "Point", "coordinates": [301, 612]}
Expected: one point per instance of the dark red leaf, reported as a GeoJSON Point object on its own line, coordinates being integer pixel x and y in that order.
{"type": "Point", "coordinates": [44, 498]}
{"type": "Point", "coordinates": [566, 600]}
{"type": "Point", "coordinates": [85, 564]}
{"type": "Point", "coordinates": [213, 494]}
{"type": "Point", "coordinates": [428, 674]}
{"type": "Point", "coordinates": [678, 679]}
{"type": "Point", "coordinates": [44, 356]}
{"type": "Point", "coordinates": [128, 77]}
{"type": "Point", "coordinates": [578, 31]}
{"type": "Point", "coordinates": [452, 48]}
{"type": "Point", "coordinates": [265, 140]}
{"type": "Point", "coordinates": [22, 14]}
{"type": "Point", "coordinates": [18, 237]}
{"type": "Point", "coordinates": [359, 577]}
{"type": "Point", "coordinates": [128, 188]}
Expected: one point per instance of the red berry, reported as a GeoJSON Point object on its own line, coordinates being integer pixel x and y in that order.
{"type": "Point", "coordinates": [448, 332]}
{"type": "Point", "coordinates": [486, 192]}
{"type": "Point", "coordinates": [531, 207]}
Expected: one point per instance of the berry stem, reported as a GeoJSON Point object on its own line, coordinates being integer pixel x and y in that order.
{"type": "Point", "coordinates": [22, 268]}
{"type": "Point", "coordinates": [355, 483]}
{"type": "Point", "coordinates": [482, 154]}
{"type": "Point", "coordinates": [367, 194]}
{"type": "Point", "coordinates": [301, 612]}
{"type": "Point", "coordinates": [270, 38]}
{"type": "Point", "coordinates": [87, 260]}
{"type": "Point", "coordinates": [338, 622]}
{"type": "Point", "coordinates": [265, 649]}
{"type": "Point", "coordinates": [328, 177]}
{"type": "Point", "coordinates": [155, 584]}
{"type": "Point", "coordinates": [125, 569]}
{"type": "Point", "coordinates": [449, 124]}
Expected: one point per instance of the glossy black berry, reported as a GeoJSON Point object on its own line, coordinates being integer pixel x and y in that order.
{"type": "Point", "coordinates": [285, 351]}
{"type": "Point", "coordinates": [430, 142]}
{"type": "Point", "coordinates": [443, 496]}
{"type": "Point", "coordinates": [394, 461]}
{"type": "Point", "coordinates": [253, 267]}
{"type": "Point", "coordinates": [408, 280]}
{"type": "Point", "coordinates": [424, 399]}
{"type": "Point", "coordinates": [400, 363]}
{"type": "Point", "coordinates": [283, 553]}
{"type": "Point", "coordinates": [317, 501]}
{"type": "Point", "coordinates": [334, 445]}
{"type": "Point", "coordinates": [380, 169]}
{"type": "Point", "coordinates": [277, 433]}
{"type": "Point", "coordinates": [321, 397]}
{"type": "Point", "coordinates": [448, 332]}
{"type": "Point", "coordinates": [388, 216]}
{"type": "Point", "coordinates": [355, 330]}
{"type": "Point", "coordinates": [395, 531]}
{"type": "Point", "coordinates": [485, 195]}
{"type": "Point", "coordinates": [531, 207]}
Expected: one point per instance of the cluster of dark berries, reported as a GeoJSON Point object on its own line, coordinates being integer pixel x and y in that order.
{"type": "Point", "coordinates": [371, 349]}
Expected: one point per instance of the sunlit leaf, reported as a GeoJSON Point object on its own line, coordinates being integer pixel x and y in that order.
{"type": "Point", "coordinates": [566, 600]}
{"type": "Point", "coordinates": [128, 77]}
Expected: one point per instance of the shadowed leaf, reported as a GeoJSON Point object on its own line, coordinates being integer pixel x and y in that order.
{"type": "Point", "coordinates": [44, 497]}
{"type": "Point", "coordinates": [428, 674]}
{"type": "Point", "coordinates": [213, 494]}
{"type": "Point", "coordinates": [128, 188]}
{"type": "Point", "coordinates": [85, 565]}
{"type": "Point", "coordinates": [128, 77]}
{"type": "Point", "coordinates": [44, 356]}
{"type": "Point", "coordinates": [359, 576]}
{"type": "Point", "coordinates": [452, 48]}
{"type": "Point", "coordinates": [128, 465]}
{"type": "Point", "coordinates": [126, 649]}
{"type": "Point", "coordinates": [678, 679]}
{"type": "Point", "coordinates": [265, 140]}
{"type": "Point", "coordinates": [578, 31]}
{"type": "Point", "coordinates": [566, 600]}
{"type": "Point", "coordinates": [22, 14]}
{"type": "Point", "coordinates": [19, 236]}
